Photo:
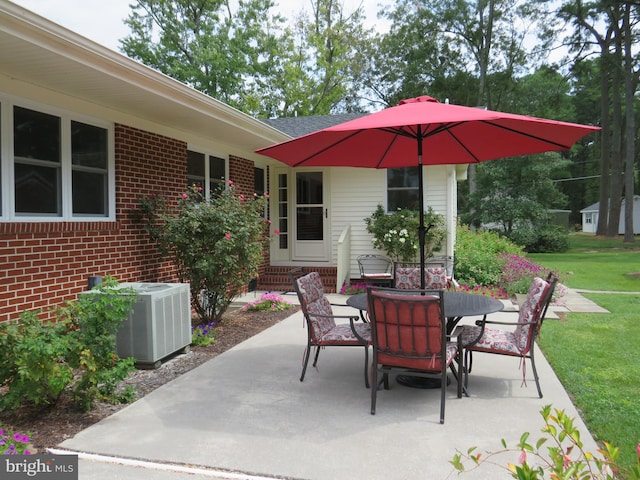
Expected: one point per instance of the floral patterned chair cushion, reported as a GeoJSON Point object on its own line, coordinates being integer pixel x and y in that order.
{"type": "Point", "coordinates": [520, 340]}
{"type": "Point", "coordinates": [408, 278]}
{"type": "Point", "coordinates": [435, 278]}
{"type": "Point", "coordinates": [323, 328]}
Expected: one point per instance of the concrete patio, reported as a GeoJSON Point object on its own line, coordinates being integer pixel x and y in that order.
{"type": "Point", "coordinates": [245, 414]}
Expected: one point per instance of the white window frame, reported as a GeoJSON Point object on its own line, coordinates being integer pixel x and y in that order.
{"type": "Point", "coordinates": [7, 165]}
{"type": "Point", "coordinates": [207, 171]}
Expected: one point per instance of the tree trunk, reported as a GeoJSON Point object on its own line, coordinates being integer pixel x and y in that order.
{"type": "Point", "coordinates": [616, 182]}
{"type": "Point", "coordinates": [605, 152]}
{"type": "Point", "coordinates": [629, 90]}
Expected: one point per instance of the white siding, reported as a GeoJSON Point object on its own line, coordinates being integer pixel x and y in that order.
{"type": "Point", "coordinates": [356, 192]}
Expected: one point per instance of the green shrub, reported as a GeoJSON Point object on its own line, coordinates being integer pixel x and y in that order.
{"type": "Point", "coordinates": [478, 257]}
{"type": "Point", "coordinates": [39, 360]}
{"type": "Point", "coordinates": [34, 365]}
{"type": "Point", "coordinates": [93, 321]}
{"type": "Point", "coordinates": [547, 239]}
{"type": "Point", "coordinates": [564, 458]}
{"type": "Point", "coordinates": [396, 233]}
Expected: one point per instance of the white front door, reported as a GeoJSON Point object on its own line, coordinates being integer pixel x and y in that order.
{"type": "Point", "coordinates": [311, 214]}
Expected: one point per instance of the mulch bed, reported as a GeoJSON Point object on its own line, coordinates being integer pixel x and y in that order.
{"type": "Point", "coordinates": [48, 428]}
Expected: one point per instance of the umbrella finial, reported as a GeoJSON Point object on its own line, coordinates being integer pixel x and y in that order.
{"type": "Point", "coordinates": [423, 98]}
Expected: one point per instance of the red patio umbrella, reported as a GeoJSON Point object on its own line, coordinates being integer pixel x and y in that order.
{"type": "Point", "coordinates": [448, 134]}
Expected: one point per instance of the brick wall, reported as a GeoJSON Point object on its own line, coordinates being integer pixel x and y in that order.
{"type": "Point", "coordinates": [45, 264]}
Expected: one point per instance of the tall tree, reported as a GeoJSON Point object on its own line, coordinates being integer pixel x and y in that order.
{"type": "Point", "coordinates": [324, 61]}
{"type": "Point", "coordinates": [205, 43]}
{"type": "Point", "coordinates": [238, 52]}
{"type": "Point", "coordinates": [517, 192]}
{"type": "Point", "coordinates": [631, 72]}
{"type": "Point", "coordinates": [603, 22]}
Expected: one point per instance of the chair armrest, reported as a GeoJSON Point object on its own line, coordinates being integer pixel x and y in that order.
{"type": "Point", "coordinates": [457, 332]}
{"type": "Point", "coordinates": [481, 323]}
{"type": "Point", "coordinates": [350, 317]}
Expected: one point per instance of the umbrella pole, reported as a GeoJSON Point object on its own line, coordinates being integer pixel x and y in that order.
{"type": "Point", "coordinates": [421, 228]}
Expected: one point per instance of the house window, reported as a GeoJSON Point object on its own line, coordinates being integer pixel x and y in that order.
{"type": "Point", "coordinates": [89, 166]}
{"type": "Point", "coordinates": [258, 181]}
{"type": "Point", "coordinates": [60, 166]}
{"type": "Point", "coordinates": [37, 154]}
{"type": "Point", "coordinates": [588, 218]}
{"type": "Point", "coordinates": [402, 189]}
{"type": "Point", "coordinates": [205, 171]}
{"type": "Point", "coordinates": [283, 211]}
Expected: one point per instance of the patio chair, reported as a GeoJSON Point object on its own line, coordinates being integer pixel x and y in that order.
{"type": "Point", "coordinates": [407, 276]}
{"type": "Point", "coordinates": [409, 337]}
{"type": "Point", "coordinates": [519, 342]}
{"type": "Point", "coordinates": [322, 329]}
{"type": "Point", "coordinates": [375, 269]}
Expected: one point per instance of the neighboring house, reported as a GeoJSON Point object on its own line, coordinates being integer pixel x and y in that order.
{"type": "Point", "coordinates": [85, 132]}
{"type": "Point", "coordinates": [590, 217]}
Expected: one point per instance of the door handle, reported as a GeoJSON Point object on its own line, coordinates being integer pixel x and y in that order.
{"type": "Point", "coordinates": [326, 213]}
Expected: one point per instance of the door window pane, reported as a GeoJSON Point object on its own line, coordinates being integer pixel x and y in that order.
{"type": "Point", "coordinates": [309, 188]}
{"type": "Point", "coordinates": [310, 226]}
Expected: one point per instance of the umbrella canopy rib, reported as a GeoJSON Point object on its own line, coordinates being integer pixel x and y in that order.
{"type": "Point", "coordinates": [321, 151]}
{"type": "Point", "coordinates": [563, 146]}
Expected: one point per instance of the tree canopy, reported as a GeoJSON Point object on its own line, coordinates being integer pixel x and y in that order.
{"type": "Point", "coordinates": [499, 54]}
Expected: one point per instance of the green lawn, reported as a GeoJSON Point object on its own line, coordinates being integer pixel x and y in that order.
{"type": "Point", "coordinates": [596, 356]}
{"type": "Point", "coordinates": [593, 263]}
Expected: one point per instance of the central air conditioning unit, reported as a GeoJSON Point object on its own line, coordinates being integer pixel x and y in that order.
{"type": "Point", "coordinates": [158, 326]}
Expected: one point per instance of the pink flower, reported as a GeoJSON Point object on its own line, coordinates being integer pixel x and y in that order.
{"type": "Point", "coordinates": [255, 195]}
{"type": "Point", "coordinates": [638, 450]}
{"type": "Point", "coordinates": [184, 195]}
{"type": "Point", "coordinates": [227, 235]}
{"type": "Point", "coordinates": [276, 231]}
{"type": "Point", "coordinates": [242, 198]}
{"type": "Point", "coordinates": [523, 457]}
{"type": "Point", "coordinates": [266, 194]}
{"type": "Point", "coordinates": [230, 182]}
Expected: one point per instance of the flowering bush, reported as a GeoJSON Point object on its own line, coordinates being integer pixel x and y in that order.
{"type": "Point", "coordinates": [353, 288]}
{"type": "Point", "coordinates": [565, 459]}
{"type": "Point", "coordinates": [268, 301]}
{"type": "Point", "coordinates": [477, 256]}
{"type": "Point", "coordinates": [397, 233]}
{"type": "Point", "coordinates": [15, 444]}
{"type": "Point", "coordinates": [216, 244]}
{"type": "Point", "coordinates": [518, 273]}
{"type": "Point", "coordinates": [204, 335]}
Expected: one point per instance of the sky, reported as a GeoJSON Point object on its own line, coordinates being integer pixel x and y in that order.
{"type": "Point", "coordinates": [103, 20]}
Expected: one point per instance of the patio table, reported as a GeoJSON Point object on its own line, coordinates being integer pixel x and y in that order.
{"type": "Point", "coordinates": [456, 306]}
